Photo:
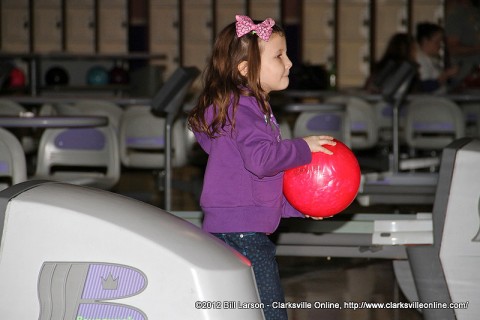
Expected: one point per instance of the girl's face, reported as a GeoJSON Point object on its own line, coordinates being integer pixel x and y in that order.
{"type": "Point", "coordinates": [275, 64]}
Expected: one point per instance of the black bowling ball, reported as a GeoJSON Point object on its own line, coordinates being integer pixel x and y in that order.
{"type": "Point", "coordinates": [56, 76]}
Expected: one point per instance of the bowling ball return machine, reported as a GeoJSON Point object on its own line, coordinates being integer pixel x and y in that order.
{"type": "Point", "coordinates": [73, 252]}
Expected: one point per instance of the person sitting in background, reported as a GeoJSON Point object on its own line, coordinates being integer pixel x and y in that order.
{"type": "Point", "coordinates": [433, 75]}
{"type": "Point", "coordinates": [400, 48]}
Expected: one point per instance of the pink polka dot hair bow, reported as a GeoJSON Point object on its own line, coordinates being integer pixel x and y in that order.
{"type": "Point", "coordinates": [245, 25]}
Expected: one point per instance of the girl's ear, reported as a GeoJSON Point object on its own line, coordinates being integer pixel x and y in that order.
{"type": "Point", "coordinates": [243, 68]}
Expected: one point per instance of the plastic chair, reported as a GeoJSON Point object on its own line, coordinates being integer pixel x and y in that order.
{"type": "Point", "coordinates": [81, 156]}
{"type": "Point", "coordinates": [142, 140]}
{"type": "Point", "coordinates": [431, 123]}
{"type": "Point", "coordinates": [13, 167]}
{"type": "Point", "coordinates": [362, 124]}
{"type": "Point", "coordinates": [323, 122]}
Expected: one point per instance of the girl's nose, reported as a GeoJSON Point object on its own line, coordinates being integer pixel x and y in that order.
{"type": "Point", "coordinates": [288, 63]}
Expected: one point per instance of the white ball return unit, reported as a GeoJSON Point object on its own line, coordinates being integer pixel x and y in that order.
{"type": "Point", "coordinates": [75, 253]}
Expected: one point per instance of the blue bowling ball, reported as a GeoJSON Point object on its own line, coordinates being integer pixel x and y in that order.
{"type": "Point", "coordinates": [97, 75]}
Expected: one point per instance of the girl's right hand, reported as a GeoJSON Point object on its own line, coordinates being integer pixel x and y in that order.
{"type": "Point", "coordinates": [315, 143]}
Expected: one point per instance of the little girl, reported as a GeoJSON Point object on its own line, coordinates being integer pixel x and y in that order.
{"type": "Point", "coordinates": [242, 197]}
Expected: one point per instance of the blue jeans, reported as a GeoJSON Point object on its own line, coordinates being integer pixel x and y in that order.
{"type": "Point", "coordinates": [258, 248]}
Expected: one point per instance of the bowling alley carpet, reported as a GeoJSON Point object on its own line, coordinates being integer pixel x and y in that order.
{"type": "Point", "coordinates": [317, 285]}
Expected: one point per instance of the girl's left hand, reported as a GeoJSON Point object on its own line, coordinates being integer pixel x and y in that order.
{"type": "Point", "coordinates": [317, 218]}
{"type": "Point", "coordinates": [314, 218]}
{"type": "Point", "coordinates": [316, 143]}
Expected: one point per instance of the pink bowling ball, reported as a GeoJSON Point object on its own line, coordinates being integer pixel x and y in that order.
{"type": "Point", "coordinates": [327, 185]}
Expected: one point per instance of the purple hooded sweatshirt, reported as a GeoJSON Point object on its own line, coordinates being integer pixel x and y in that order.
{"type": "Point", "coordinates": [242, 190]}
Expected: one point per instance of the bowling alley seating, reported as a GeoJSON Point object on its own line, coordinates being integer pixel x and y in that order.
{"type": "Point", "coordinates": [13, 168]}
{"type": "Point", "coordinates": [142, 140]}
{"type": "Point", "coordinates": [85, 165]}
{"type": "Point", "coordinates": [362, 124]}
{"type": "Point", "coordinates": [324, 122]}
{"type": "Point", "coordinates": [82, 156]}
{"type": "Point", "coordinates": [431, 123]}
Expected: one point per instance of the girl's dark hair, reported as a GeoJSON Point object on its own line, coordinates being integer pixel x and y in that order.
{"type": "Point", "coordinates": [399, 48]}
{"type": "Point", "coordinates": [223, 83]}
{"type": "Point", "coordinates": [426, 30]}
